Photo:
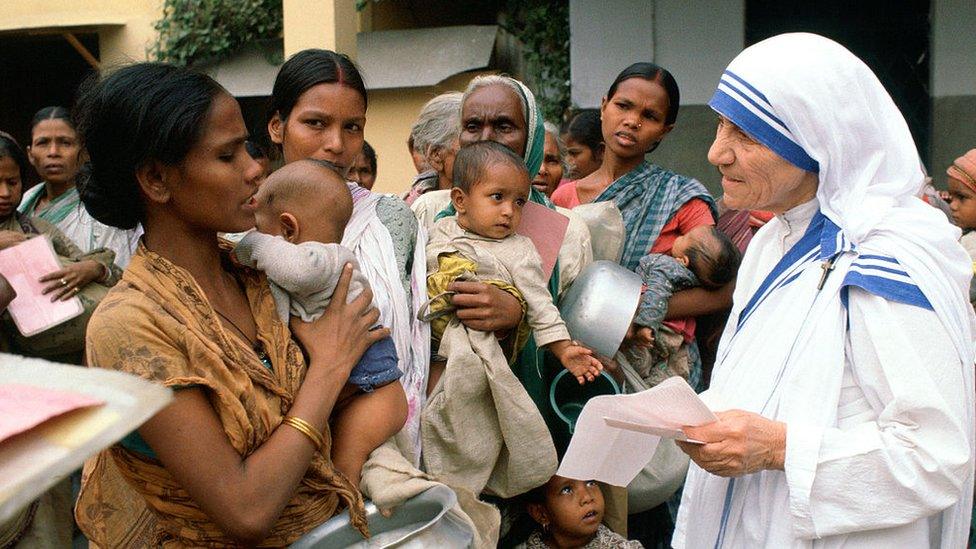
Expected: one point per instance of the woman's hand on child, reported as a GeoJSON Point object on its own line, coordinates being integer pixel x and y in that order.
{"type": "Point", "coordinates": [343, 333]}
{"type": "Point", "coordinates": [485, 307]}
{"type": "Point", "coordinates": [65, 283]}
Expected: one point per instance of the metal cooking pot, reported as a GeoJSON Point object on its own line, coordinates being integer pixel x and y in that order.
{"type": "Point", "coordinates": [599, 307]}
{"type": "Point", "coordinates": [607, 230]}
{"type": "Point", "coordinates": [421, 521]}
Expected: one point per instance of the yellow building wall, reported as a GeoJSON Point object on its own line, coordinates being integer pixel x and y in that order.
{"type": "Point", "coordinates": [320, 24]}
{"type": "Point", "coordinates": [125, 27]}
{"type": "Point", "coordinates": [390, 116]}
{"type": "Point", "coordinates": [126, 33]}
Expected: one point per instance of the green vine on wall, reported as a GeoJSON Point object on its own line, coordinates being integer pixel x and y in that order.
{"type": "Point", "coordinates": [543, 29]}
{"type": "Point", "coordinates": [194, 31]}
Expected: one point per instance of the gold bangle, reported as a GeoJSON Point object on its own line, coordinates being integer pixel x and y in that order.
{"type": "Point", "coordinates": [306, 429]}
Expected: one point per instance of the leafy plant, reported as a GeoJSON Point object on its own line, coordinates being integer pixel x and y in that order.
{"type": "Point", "coordinates": [542, 27]}
{"type": "Point", "coordinates": [193, 31]}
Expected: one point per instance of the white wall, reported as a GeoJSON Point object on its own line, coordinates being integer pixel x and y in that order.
{"type": "Point", "coordinates": [606, 37]}
{"type": "Point", "coordinates": [696, 40]}
{"type": "Point", "coordinates": [953, 48]}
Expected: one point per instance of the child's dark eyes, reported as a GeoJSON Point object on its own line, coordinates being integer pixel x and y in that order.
{"type": "Point", "coordinates": [496, 196]}
{"type": "Point", "coordinates": [520, 202]}
{"type": "Point", "coordinates": [566, 490]}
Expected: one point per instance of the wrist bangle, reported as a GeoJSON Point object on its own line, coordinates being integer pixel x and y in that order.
{"type": "Point", "coordinates": [306, 429]}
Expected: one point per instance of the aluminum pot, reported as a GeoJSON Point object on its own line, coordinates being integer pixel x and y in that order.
{"type": "Point", "coordinates": [599, 307]}
{"type": "Point", "coordinates": [421, 521]}
{"type": "Point", "coordinates": [607, 230]}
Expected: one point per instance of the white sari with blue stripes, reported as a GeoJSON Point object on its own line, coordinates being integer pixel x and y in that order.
{"type": "Point", "coordinates": [856, 416]}
{"type": "Point", "coordinates": [871, 368]}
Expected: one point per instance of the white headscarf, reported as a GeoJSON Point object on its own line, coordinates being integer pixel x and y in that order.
{"type": "Point", "coordinates": [818, 106]}
{"type": "Point", "coordinates": [821, 108]}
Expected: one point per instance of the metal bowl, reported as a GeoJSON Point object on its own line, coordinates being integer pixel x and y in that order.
{"type": "Point", "coordinates": [607, 230]}
{"type": "Point", "coordinates": [599, 307]}
{"type": "Point", "coordinates": [421, 521]}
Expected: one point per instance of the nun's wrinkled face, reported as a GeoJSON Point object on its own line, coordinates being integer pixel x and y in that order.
{"type": "Point", "coordinates": [753, 176]}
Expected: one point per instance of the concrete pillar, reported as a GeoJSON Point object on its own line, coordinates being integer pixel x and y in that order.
{"type": "Point", "coordinates": [329, 24]}
{"type": "Point", "coordinates": [604, 39]}
{"type": "Point", "coordinates": [953, 67]}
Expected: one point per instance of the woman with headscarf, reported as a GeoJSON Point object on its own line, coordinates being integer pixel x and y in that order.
{"type": "Point", "coordinates": [500, 109]}
{"type": "Point", "coordinates": [847, 363]}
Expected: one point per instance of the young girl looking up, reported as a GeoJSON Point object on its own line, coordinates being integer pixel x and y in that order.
{"type": "Point", "coordinates": [570, 514]}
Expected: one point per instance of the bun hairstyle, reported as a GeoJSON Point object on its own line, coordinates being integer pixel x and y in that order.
{"type": "Point", "coordinates": [654, 73]}
{"type": "Point", "coordinates": [9, 148]}
{"type": "Point", "coordinates": [137, 114]}
{"type": "Point", "coordinates": [309, 68]}
{"type": "Point", "coordinates": [52, 113]}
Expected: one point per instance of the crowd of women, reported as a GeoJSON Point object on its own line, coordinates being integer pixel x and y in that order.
{"type": "Point", "coordinates": [843, 379]}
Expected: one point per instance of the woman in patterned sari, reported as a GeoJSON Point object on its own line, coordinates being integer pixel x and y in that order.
{"type": "Point", "coordinates": [241, 456]}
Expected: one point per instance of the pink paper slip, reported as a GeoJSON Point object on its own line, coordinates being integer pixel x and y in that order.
{"type": "Point", "coordinates": [22, 265]}
{"type": "Point", "coordinates": [23, 407]}
{"type": "Point", "coordinates": [547, 229]}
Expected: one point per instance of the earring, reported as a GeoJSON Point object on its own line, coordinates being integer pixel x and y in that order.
{"type": "Point", "coordinates": [545, 528]}
{"type": "Point", "coordinates": [638, 125]}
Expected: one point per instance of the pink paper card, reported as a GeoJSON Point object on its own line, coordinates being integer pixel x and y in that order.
{"type": "Point", "coordinates": [22, 265]}
{"type": "Point", "coordinates": [547, 229]}
{"type": "Point", "coordinates": [23, 407]}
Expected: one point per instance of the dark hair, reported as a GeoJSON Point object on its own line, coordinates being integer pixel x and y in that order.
{"type": "Point", "coordinates": [9, 148]}
{"type": "Point", "coordinates": [140, 113]}
{"type": "Point", "coordinates": [309, 68]}
{"type": "Point", "coordinates": [654, 73]}
{"type": "Point", "coordinates": [585, 128]}
{"type": "Point", "coordinates": [370, 155]}
{"type": "Point", "coordinates": [255, 150]}
{"type": "Point", "coordinates": [714, 268]}
{"type": "Point", "coordinates": [472, 161]}
{"type": "Point", "coordinates": [54, 112]}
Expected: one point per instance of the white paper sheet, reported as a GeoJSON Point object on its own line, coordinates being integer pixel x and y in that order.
{"type": "Point", "coordinates": [616, 435]}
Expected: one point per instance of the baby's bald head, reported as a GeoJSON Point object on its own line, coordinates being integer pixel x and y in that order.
{"type": "Point", "coordinates": [309, 194]}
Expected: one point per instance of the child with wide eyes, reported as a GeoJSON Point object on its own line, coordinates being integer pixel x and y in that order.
{"type": "Point", "coordinates": [962, 204]}
{"type": "Point", "coordinates": [491, 185]}
{"type": "Point", "coordinates": [570, 515]}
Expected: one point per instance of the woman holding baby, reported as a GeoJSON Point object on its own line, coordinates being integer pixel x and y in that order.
{"type": "Point", "coordinates": [241, 454]}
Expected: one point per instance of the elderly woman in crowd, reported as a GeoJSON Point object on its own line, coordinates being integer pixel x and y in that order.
{"type": "Point", "coordinates": [500, 109]}
{"type": "Point", "coordinates": [57, 153]}
{"type": "Point", "coordinates": [553, 162]}
{"type": "Point", "coordinates": [847, 364]}
{"type": "Point", "coordinates": [435, 135]}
